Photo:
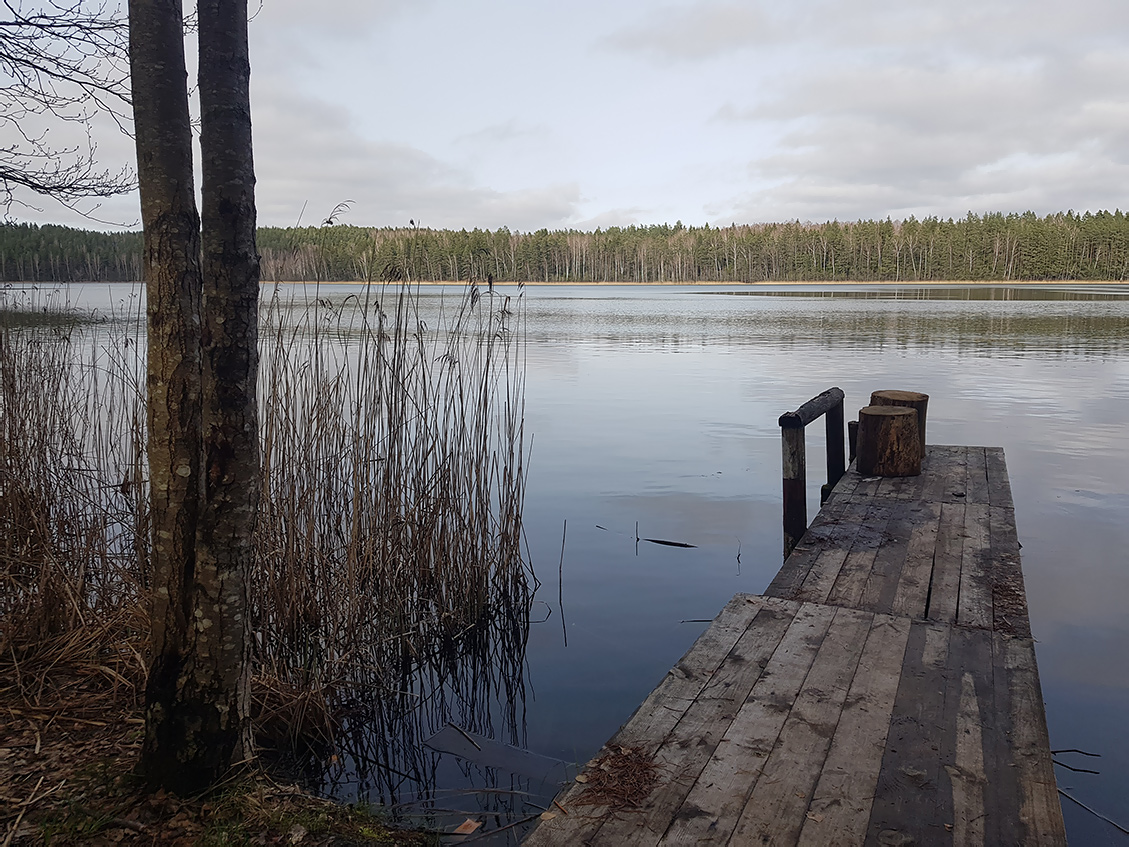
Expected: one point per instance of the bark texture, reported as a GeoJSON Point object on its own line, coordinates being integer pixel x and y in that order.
{"type": "Point", "coordinates": [173, 284]}
{"type": "Point", "coordinates": [231, 474]}
{"type": "Point", "coordinates": [912, 399]}
{"type": "Point", "coordinates": [203, 423]}
{"type": "Point", "coordinates": [888, 442]}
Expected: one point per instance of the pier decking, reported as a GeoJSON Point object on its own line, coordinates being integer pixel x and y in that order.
{"type": "Point", "coordinates": [883, 691]}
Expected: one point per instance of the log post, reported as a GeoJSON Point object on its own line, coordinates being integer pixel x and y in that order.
{"type": "Point", "coordinates": [912, 399]}
{"type": "Point", "coordinates": [794, 462]}
{"type": "Point", "coordinates": [836, 456]}
{"type": "Point", "coordinates": [888, 441]}
{"type": "Point", "coordinates": [852, 438]}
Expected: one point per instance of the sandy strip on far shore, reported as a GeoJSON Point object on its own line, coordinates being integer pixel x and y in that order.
{"type": "Point", "coordinates": [764, 283]}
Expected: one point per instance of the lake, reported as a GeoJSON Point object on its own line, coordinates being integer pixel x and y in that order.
{"type": "Point", "coordinates": [658, 405]}
{"type": "Point", "coordinates": [653, 415]}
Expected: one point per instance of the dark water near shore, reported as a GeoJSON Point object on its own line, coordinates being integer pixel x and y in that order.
{"type": "Point", "coordinates": [656, 408]}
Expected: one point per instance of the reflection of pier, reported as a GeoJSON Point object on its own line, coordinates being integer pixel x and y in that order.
{"type": "Point", "coordinates": [883, 691]}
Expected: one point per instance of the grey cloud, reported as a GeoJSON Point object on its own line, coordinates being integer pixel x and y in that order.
{"type": "Point", "coordinates": [501, 134]}
{"type": "Point", "coordinates": [612, 217]}
{"type": "Point", "coordinates": [701, 30]}
{"type": "Point", "coordinates": [308, 154]}
{"type": "Point", "coordinates": [1046, 129]}
{"type": "Point", "coordinates": [337, 19]}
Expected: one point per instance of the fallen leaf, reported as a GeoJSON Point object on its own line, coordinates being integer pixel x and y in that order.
{"type": "Point", "coordinates": [812, 816]}
{"type": "Point", "coordinates": [582, 777]}
{"type": "Point", "coordinates": [296, 834]}
{"type": "Point", "coordinates": [467, 827]}
{"type": "Point", "coordinates": [548, 816]}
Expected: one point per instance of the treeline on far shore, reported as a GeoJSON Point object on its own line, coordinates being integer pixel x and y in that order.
{"type": "Point", "coordinates": [989, 247]}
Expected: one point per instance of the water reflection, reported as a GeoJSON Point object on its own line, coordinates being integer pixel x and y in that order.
{"type": "Point", "coordinates": [1034, 292]}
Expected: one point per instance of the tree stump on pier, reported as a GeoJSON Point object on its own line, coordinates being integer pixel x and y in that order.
{"type": "Point", "coordinates": [888, 442]}
{"type": "Point", "coordinates": [912, 399]}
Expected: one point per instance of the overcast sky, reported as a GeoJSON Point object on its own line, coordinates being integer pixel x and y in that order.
{"type": "Point", "coordinates": [584, 113]}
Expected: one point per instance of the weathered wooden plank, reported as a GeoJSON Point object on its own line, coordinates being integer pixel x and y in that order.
{"type": "Point", "coordinates": [889, 563]}
{"type": "Point", "coordinates": [848, 483]}
{"type": "Point", "coordinates": [912, 797]}
{"type": "Point", "coordinates": [969, 707]}
{"type": "Point", "coordinates": [966, 774]}
{"type": "Point", "coordinates": [775, 810]}
{"type": "Point", "coordinates": [850, 584]}
{"type": "Point", "coordinates": [826, 532]}
{"type": "Point", "coordinates": [947, 476]}
{"type": "Point", "coordinates": [1003, 813]}
{"type": "Point", "coordinates": [840, 805]}
{"type": "Point", "coordinates": [825, 569]}
{"type": "Point", "coordinates": [775, 635]}
{"type": "Point", "coordinates": [999, 483]}
{"type": "Point", "coordinates": [1040, 813]}
{"type": "Point", "coordinates": [714, 804]}
{"type": "Point", "coordinates": [974, 607]}
{"type": "Point", "coordinates": [941, 469]}
{"type": "Point", "coordinates": [977, 469]}
{"type": "Point", "coordinates": [911, 598]}
{"type": "Point", "coordinates": [821, 575]}
{"type": "Point", "coordinates": [1009, 599]}
{"type": "Point", "coordinates": [944, 585]}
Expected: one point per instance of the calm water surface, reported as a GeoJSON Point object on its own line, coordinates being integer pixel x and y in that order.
{"type": "Point", "coordinates": [654, 408]}
{"type": "Point", "coordinates": [659, 406]}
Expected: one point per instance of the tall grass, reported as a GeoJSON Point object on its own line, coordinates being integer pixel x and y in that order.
{"type": "Point", "coordinates": [72, 514]}
{"type": "Point", "coordinates": [389, 593]}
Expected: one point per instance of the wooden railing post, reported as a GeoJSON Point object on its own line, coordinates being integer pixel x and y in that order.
{"type": "Point", "coordinates": [836, 457]}
{"type": "Point", "coordinates": [795, 474]}
{"type": "Point", "coordinates": [794, 460]}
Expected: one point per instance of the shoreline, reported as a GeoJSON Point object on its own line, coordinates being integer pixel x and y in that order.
{"type": "Point", "coordinates": [726, 283]}
{"type": "Point", "coordinates": [953, 283]}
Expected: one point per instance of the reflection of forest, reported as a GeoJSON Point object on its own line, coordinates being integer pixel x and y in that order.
{"type": "Point", "coordinates": [1063, 246]}
{"type": "Point", "coordinates": [992, 293]}
{"type": "Point", "coordinates": [1086, 330]}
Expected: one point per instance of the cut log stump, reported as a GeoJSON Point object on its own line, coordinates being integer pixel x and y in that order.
{"type": "Point", "coordinates": [912, 399]}
{"type": "Point", "coordinates": [888, 441]}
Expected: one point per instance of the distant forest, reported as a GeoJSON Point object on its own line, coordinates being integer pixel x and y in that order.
{"type": "Point", "coordinates": [990, 247]}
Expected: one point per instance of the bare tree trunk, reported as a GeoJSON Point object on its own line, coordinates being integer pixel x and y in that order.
{"type": "Point", "coordinates": [231, 480]}
{"type": "Point", "coordinates": [172, 275]}
{"type": "Point", "coordinates": [203, 361]}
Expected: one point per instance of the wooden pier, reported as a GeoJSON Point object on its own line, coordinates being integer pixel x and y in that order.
{"type": "Point", "coordinates": [883, 691]}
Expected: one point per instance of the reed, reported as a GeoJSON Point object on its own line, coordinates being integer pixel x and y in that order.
{"type": "Point", "coordinates": [389, 592]}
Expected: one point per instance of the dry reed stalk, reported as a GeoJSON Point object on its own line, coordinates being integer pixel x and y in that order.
{"type": "Point", "coordinates": [69, 562]}
{"type": "Point", "coordinates": [390, 528]}
{"type": "Point", "coordinates": [389, 591]}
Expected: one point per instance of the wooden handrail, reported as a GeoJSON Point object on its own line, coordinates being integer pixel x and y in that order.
{"type": "Point", "coordinates": [829, 405]}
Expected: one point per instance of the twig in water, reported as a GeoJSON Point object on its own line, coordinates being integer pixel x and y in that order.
{"type": "Point", "coordinates": [666, 543]}
{"type": "Point", "coordinates": [1070, 768]}
{"type": "Point", "coordinates": [466, 735]}
{"type": "Point", "coordinates": [1094, 813]}
{"type": "Point", "coordinates": [560, 583]}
